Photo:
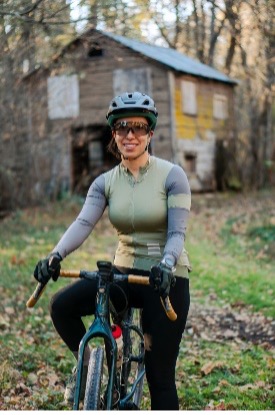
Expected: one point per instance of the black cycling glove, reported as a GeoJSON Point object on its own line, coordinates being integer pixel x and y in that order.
{"type": "Point", "coordinates": [48, 268]}
{"type": "Point", "coordinates": [161, 278]}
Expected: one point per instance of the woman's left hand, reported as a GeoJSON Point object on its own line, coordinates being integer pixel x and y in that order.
{"type": "Point", "coordinates": [161, 278]}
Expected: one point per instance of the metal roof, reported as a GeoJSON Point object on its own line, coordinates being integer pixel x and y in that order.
{"type": "Point", "coordinates": [173, 59]}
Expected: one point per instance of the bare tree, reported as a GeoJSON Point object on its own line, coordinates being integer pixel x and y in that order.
{"type": "Point", "coordinates": [24, 37]}
{"type": "Point", "coordinates": [236, 37]}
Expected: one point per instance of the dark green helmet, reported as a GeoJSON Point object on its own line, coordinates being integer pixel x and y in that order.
{"type": "Point", "coordinates": [132, 104]}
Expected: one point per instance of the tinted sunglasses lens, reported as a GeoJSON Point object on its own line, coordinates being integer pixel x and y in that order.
{"type": "Point", "coordinates": [141, 129]}
{"type": "Point", "coordinates": [136, 127]}
{"type": "Point", "coordinates": [121, 129]}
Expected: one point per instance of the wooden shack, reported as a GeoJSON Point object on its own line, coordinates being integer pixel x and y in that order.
{"type": "Point", "coordinates": [68, 101]}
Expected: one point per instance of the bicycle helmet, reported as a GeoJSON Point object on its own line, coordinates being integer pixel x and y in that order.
{"type": "Point", "coordinates": [132, 103]}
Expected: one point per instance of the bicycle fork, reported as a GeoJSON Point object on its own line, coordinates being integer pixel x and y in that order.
{"type": "Point", "coordinates": [99, 328]}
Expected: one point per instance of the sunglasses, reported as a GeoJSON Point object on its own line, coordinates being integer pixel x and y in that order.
{"type": "Point", "coordinates": [122, 128]}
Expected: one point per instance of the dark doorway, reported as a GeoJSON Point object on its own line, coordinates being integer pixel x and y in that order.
{"type": "Point", "coordinates": [89, 156]}
{"type": "Point", "coordinates": [190, 162]}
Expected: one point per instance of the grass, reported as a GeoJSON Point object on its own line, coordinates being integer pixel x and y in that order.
{"type": "Point", "coordinates": [236, 266]}
{"type": "Point", "coordinates": [233, 263]}
{"type": "Point", "coordinates": [241, 380]}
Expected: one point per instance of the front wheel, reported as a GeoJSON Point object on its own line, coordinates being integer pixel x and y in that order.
{"type": "Point", "coordinates": [92, 400]}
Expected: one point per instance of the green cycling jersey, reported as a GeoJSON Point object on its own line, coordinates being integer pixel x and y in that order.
{"type": "Point", "coordinates": [149, 213]}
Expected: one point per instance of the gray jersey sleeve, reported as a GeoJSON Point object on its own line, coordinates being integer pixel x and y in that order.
{"type": "Point", "coordinates": [90, 214]}
{"type": "Point", "coordinates": [179, 204]}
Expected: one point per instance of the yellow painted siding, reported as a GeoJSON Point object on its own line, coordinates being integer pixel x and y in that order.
{"type": "Point", "coordinates": [192, 126]}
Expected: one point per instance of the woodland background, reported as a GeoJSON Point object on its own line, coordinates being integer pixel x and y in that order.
{"type": "Point", "coordinates": [235, 36]}
{"type": "Point", "coordinates": [226, 358]}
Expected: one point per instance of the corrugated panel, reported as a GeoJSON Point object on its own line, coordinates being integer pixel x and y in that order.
{"type": "Point", "coordinates": [172, 59]}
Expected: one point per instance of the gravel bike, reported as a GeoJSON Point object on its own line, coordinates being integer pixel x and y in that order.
{"type": "Point", "coordinates": [113, 382]}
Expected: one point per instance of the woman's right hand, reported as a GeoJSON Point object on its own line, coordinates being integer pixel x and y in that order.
{"type": "Point", "coordinates": [48, 268]}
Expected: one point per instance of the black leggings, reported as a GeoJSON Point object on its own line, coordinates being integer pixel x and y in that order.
{"type": "Point", "coordinates": [78, 299]}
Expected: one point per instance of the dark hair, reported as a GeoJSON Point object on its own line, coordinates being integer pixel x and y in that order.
{"type": "Point", "coordinates": [112, 148]}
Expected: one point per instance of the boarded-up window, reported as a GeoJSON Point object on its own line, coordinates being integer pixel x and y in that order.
{"type": "Point", "coordinates": [129, 80]}
{"type": "Point", "coordinates": [220, 107]}
{"type": "Point", "coordinates": [63, 97]}
{"type": "Point", "coordinates": [189, 97]}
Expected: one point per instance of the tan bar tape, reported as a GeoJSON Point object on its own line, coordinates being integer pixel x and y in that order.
{"type": "Point", "coordinates": [169, 309]}
{"type": "Point", "coordinates": [35, 295]}
{"type": "Point", "coordinates": [40, 288]}
{"type": "Point", "coordinates": [69, 273]}
{"type": "Point", "coordinates": [138, 279]}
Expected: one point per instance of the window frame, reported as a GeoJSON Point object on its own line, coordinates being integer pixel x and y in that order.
{"type": "Point", "coordinates": [220, 107]}
{"type": "Point", "coordinates": [189, 102]}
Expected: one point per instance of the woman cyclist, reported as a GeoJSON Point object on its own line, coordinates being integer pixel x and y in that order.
{"type": "Point", "coordinates": [148, 202]}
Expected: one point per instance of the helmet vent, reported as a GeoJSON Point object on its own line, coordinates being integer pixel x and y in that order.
{"type": "Point", "coordinates": [146, 102]}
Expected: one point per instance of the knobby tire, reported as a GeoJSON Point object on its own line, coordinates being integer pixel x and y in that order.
{"type": "Point", "coordinates": [92, 400]}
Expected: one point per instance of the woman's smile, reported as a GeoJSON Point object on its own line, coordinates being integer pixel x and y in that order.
{"type": "Point", "coordinates": [132, 142]}
{"type": "Point", "coordinates": [129, 145]}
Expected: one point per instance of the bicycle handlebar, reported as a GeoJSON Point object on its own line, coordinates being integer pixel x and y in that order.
{"type": "Point", "coordinates": [131, 278]}
{"type": "Point", "coordinates": [35, 295]}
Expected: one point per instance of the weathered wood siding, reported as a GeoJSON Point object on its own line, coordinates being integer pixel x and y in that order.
{"type": "Point", "coordinates": [196, 134]}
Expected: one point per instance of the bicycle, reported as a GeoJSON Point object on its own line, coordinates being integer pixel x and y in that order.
{"type": "Point", "coordinates": [110, 385]}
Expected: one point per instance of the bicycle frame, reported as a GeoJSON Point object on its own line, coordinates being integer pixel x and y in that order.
{"type": "Point", "coordinates": [101, 327]}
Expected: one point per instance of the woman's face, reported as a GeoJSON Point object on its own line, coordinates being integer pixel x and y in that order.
{"type": "Point", "coordinates": [132, 136]}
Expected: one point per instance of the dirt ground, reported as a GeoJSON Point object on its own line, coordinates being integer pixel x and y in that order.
{"type": "Point", "coordinates": [236, 323]}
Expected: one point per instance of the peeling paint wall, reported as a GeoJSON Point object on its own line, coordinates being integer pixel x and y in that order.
{"type": "Point", "coordinates": [211, 118]}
